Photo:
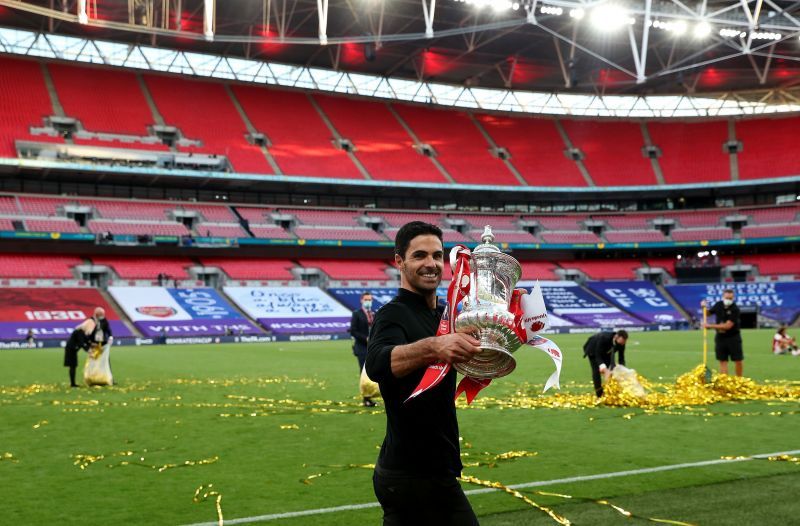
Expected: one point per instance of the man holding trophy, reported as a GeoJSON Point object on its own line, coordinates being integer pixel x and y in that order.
{"type": "Point", "coordinates": [415, 348]}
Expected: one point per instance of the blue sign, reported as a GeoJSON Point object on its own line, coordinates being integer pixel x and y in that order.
{"type": "Point", "coordinates": [779, 301]}
{"type": "Point", "coordinates": [640, 298]}
{"type": "Point", "coordinates": [204, 304]}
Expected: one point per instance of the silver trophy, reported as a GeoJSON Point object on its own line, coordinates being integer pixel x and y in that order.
{"type": "Point", "coordinates": [485, 312]}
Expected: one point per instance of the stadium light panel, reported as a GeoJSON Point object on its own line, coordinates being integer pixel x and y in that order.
{"type": "Point", "coordinates": [577, 13]}
{"type": "Point", "coordinates": [610, 17]}
{"type": "Point", "coordinates": [702, 29]}
{"type": "Point", "coordinates": [551, 10]}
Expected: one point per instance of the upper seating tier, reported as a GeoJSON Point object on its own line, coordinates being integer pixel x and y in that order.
{"type": "Point", "coordinates": [382, 145]}
{"type": "Point", "coordinates": [612, 152]}
{"type": "Point", "coordinates": [299, 140]}
{"type": "Point", "coordinates": [459, 145]}
{"type": "Point", "coordinates": [536, 148]}
{"type": "Point", "coordinates": [121, 108]}
{"type": "Point", "coordinates": [211, 118]}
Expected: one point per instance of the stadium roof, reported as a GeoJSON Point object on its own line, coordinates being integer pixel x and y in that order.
{"type": "Point", "coordinates": [569, 47]}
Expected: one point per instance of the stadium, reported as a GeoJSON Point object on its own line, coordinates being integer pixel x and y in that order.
{"type": "Point", "coordinates": [226, 180]}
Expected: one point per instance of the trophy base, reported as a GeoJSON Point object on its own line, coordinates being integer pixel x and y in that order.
{"type": "Point", "coordinates": [489, 363]}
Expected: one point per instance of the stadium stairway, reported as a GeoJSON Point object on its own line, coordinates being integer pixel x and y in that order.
{"type": "Point", "coordinates": [122, 315]}
{"type": "Point", "coordinates": [667, 296]}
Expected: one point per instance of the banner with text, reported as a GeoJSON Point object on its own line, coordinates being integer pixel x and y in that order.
{"type": "Point", "coordinates": [160, 311]}
{"type": "Point", "coordinates": [568, 300]}
{"type": "Point", "coordinates": [640, 298]}
{"type": "Point", "coordinates": [292, 310]}
{"type": "Point", "coordinates": [779, 301]}
{"type": "Point", "coordinates": [51, 312]}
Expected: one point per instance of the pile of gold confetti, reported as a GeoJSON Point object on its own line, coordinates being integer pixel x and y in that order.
{"type": "Point", "coordinates": [688, 390]}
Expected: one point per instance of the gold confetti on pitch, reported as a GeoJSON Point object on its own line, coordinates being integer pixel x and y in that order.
{"type": "Point", "coordinates": [9, 457]}
{"type": "Point", "coordinates": [497, 485]}
{"type": "Point", "coordinates": [205, 491]}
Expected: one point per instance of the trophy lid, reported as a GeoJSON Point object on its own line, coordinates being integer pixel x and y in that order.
{"type": "Point", "coordinates": [488, 242]}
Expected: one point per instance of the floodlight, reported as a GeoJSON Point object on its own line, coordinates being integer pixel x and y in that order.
{"type": "Point", "coordinates": [609, 17]}
{"type": "Point", "coordinates": [678, 27]}
{"type": "Point", "coordinates": [702, 29]}
{"type": "Point", "coordinates": [577, 13]}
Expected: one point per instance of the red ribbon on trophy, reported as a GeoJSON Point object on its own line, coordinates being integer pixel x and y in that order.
{"type": "Point", "coordinates": [456, 291]}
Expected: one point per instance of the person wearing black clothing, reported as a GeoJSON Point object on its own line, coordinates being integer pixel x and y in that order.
{"type": "Point", "coordinates": [91, 331]}
{"type": "Point", "coordinates": [728, 340]}
{"type": "Point", "coordinates": [600, 350]}
{"type": "Point", "coordinates": [360, 323]}
{"type": "Point", "coordinates": [415, 478]}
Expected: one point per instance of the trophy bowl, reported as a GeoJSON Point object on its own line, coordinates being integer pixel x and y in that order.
{"type": "Point", "coordinates": [485, 313]}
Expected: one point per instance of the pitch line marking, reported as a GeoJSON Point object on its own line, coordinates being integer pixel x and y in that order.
{"type": "Point", "coordinates": [538, 483]}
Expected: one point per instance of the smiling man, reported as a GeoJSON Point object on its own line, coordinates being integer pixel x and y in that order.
{"type": "Point", "coordinates": [415, 476]}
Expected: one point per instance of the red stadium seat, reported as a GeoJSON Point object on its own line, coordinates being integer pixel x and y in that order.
{"type": "Point", "coordinates": [211, 118]}
{"type": "Point", "coordinates": [145, 268]}
{"type": "Point", "coordinates": [459, 145]}
{"type": "Point", "coordinates": [613, 152]}
{"type": "Point", "coordinates": [382, 145]}
{"type": "Point", "coordinates": [536, 148]}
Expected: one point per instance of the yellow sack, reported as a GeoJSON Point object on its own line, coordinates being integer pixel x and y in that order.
{"type": "Point", "coordinates": [369, 389]}
{"type": "Point", "coordinates": [97, 369]}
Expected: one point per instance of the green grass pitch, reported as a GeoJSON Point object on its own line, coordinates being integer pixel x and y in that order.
{"type": "Point", "coordinates": [274, 414]}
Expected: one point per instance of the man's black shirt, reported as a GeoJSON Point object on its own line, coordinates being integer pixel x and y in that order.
{"type": "Point", "coordinates": [724, 314]}
{"type": "Point", "coordinates": [601, 348]}
{"type": "Point", "coordinates": [422, 434]}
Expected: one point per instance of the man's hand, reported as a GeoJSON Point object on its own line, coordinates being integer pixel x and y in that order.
{"type": "Point", "coordinates": [703, 303]}
{"type": "Point", "coordinates": [455, 347]}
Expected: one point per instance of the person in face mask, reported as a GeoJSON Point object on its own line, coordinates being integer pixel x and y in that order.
{"type": "Point", "coordinates": [360, 323]}
{"type": "Point", "coordinates": [600, 349]}
{"type": "Point", "coordinates": [91, 331]}
{"type": "Point", "coordinates": [728, 341]}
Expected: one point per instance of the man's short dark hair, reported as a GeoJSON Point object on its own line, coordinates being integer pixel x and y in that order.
{"type": "Point", "coordinates": [411, 230]}
{"type": "Point", "coordinates": [368, 293]}
{"type": "Point", "coordinates": [622, 333]}
{"type": "Point", "coordinates": [728, 291]}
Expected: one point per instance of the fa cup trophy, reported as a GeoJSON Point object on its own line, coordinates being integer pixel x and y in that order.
{"type": "Point", "coordinates": [485, 311]}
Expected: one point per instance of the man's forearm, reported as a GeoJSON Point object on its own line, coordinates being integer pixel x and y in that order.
{"type": "Point", "coordinates": [412, 356]}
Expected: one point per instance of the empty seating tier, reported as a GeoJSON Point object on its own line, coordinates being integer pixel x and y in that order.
{"type": "Point", "coordinates": [138, 228]}
{"type": "Point", "coordinates": [789, 229]}
{"type": "Point", "coordinates": [46, 266]}
{"type": "Point", "coordinates": [52, 225]}
{"type": "Point", "coordinates": [299, 140]}
{"type": "Point", "coordinates": [691, 152]}
{"type": "Point", "coordinates": [634, 236]}
{"type": "Point", "coordinates": [145, 268]}
{"type": "Point", "coordinates": [770, 147]}
{"type": "Point", "coordinates": [775, 264]}
{"type": "Point", "coordinates": [120, 108]}
{"type": "Point", "coordinates": [324, 217]}
{"type": "Point", "coordinates": [253, 269]}
{"type": "Point", "coordinates": [536, 148]}
{"type": "Point", "coordinates": [701, 234]}
{"type": "Point", "coordinates": [211, 118]}
{"type": "Point", "coordinates": [459, 145]}
{"type": "Point", "coordinates": [382, 145]}
{"type": "Point", "coordinates": [606, 269]}
{"type": "Point", "coordinates": [612, 152]}
{"type": "Point", "coordinates": [343, 269]}
{"type": "Point", "coordinates": [24, 102]}
{"type": "Point", "coordinates": [350, 234]}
